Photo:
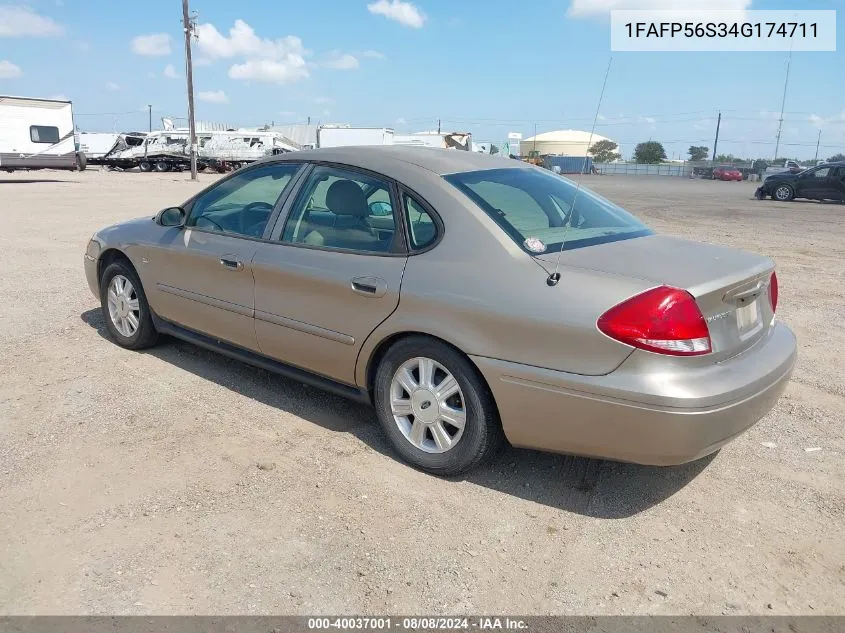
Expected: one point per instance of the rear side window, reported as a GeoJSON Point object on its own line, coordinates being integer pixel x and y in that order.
{"type": "Point", "coordinates": [43, 134]}
{"type": "Point", "coordinates": [422, 230]}
{"type": "Point", "coordinates": [533, 203]}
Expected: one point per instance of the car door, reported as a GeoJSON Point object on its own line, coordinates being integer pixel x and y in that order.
{"type": "Point", "coordinates": [331, 272]}
{"type": "Point", "coordinates": [837, 183]}
{"type": "Point", "coordinates": [814, 183]}
{"type": "Point", "coordinates": [203, 270]}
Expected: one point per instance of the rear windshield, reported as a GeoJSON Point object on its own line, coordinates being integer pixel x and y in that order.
{"type": "Point", "coordinates": [534, 203]}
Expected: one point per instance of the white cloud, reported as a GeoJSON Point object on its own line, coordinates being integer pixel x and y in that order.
{"type": "Point", "coordinates": [151, 75]}
{"type": "Point", "coordinates": [598, 7]}
{"type": "Point", "coordinates": [270, 71]}
{"type": "Point", "coordinates": [287, 113]}
{"type": "Point", "coordinates": [823, 121]}
{"type": "Point", "coordinates": [401, 121]}
{"type": "Point", "coordinates": [170, 72]}
{"type": "Point", "coordinates": [202, 61]}
{"type": "Point", "coordinates": [322, 100]}
{"type": "Point", "coordinates": [601, 117]}
{"type": "Point", "coordinates": [8, 70]}
{"type": "Point", "coordinates": [213, 96]}
{"type": "Point", "coordinates": [326, 112]}
{"type": "Point", "coordinates": [59, 97]}
{"type": "Point", "coordinates": [340, 61]}
{"type": "Point", "coordinates": [113, 87]}
{"type": "Point", "coordinates": [153, 45]}
{"type": "Point", "coordinates": [372, 54]}
{"type": "Point", "coordinates": [454, 22]}
{"type": "Point", "coordinates": [703, 124]}
{"type": "Point", "coordinates": [83, 46]}
{"type": "Point", "coordinates": [20, 21]}
{"type": "Point", "coordinates": [279, 61]}
{"type": "Point", "coordinates": [403, 12]}
{"type": "Point", "coordinates": [243, 42]}
{"type": "Point", "coordinates": [648, 119]}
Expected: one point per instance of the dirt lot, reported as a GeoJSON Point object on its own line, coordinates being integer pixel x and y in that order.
{"type": "Point", "coordinates": [128, 481]}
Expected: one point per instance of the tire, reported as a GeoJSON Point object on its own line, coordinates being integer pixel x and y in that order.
{"type": "Point", "coordinates": [161, 166]}
{"type": "Point", "coordinates": [783, 193]}
{"type": "Point", "coordinates": [759, 195]}
{"type": "Point", "coordinates": [145, 166]}
{"type": "Point", "coordinates": [481, 435]}
{"type": "Point", "coordinates": [144, 335]}
{"type": "Point", "coordinates": [81, 162]}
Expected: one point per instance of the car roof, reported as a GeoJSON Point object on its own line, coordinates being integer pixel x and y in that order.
{"type": "Point", "coordinates": [379, 158]}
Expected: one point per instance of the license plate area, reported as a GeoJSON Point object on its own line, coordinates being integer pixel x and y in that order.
{"type": "Point", "coordinates": [748, 318]}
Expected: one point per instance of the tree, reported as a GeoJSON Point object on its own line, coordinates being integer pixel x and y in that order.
{"type": "Point", "coordinates": [604, 151]}
{"type": "Point", "coordinates": [728, 158]}
{"type": "Point", "coordinates": [836, 158]}
{"type": "Point", "coordinates": [698, 152]}
{"type": "Point", "coordinates": [650, 152]}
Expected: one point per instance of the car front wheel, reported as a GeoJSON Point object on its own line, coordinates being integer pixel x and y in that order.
{"type": "Point", "coordinates": [125, 307]}
{"type": "Point", "coordinates": [783, 193]}
{"type": "Point", "coordinates": [435, 408]}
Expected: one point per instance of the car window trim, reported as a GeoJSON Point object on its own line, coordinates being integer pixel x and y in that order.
{"type": "Point", "coordinates": [293, 196]}
{"type": "Point", "coordinates": [435, 217]}
{"type": "Point", "coordinates": [188, 206]}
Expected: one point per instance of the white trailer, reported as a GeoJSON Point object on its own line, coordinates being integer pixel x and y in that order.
{"type": "Point", "coordinates": [97, 144]}
{"type": "Point", "coordinates": [37, 134]}
{"type": "Point", "coordinates": [445, 140]}
{"type": "Point", "coordinates": [331, 136]}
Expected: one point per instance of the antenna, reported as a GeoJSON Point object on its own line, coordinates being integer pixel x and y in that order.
{"type": "Point", "coordinates": [555, 276]}
{"type": "Point", "coordinates": [783, 101]}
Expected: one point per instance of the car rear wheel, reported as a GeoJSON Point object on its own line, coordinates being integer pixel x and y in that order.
{"type": "Point", "coordinates": [125, 307]}
{"type": "Point", "coordinates": [162, 166]}
{"type": "Point", "coordinates": [435, 408]}
{"type": "Point", "coordinates": [783, 193]}
{"type": "Point", "coordinates": [145, 166]}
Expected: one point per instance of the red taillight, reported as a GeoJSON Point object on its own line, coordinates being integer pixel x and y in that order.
{"type": "Point", "coordinates": [773, 292]}
{"type": "Point", "coordinates": [663, 320]}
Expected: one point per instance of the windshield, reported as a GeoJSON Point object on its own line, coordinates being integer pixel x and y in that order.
{"type": "Point", "coordinates": [529, 203]}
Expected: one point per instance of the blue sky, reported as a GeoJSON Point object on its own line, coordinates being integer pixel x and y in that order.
{"type": "Point", "coordinates": [490, 67]}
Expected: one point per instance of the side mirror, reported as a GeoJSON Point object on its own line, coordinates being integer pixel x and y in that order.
{"type": "Point", "coordinates": [172, 216]}
{"type": "Point", "coordinates": [380, 208]}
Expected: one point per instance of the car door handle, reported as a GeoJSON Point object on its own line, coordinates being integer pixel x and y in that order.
{"type": "Point", "coordinates": [369, 286]}
{"type": "Point", "coordinates": [231, 264]}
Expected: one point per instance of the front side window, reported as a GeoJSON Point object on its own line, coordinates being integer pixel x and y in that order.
{"type": "Point", "coordinates": [822, 173]}
{"type": "Point", "coordinates": [529, 203]}
{"type": "Point", "coordinates": [242, 205]}
{"type": "Point", "coordinates": [43, 134]}
{"type": "Point", "coordinates": [343, 210]}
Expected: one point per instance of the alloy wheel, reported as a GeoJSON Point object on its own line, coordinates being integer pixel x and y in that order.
{"type": "Point", "coordinates": [124, 308]}
{"type": "Point", "coordinates": [428, 405]}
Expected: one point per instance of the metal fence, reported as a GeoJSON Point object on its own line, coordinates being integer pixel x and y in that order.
{"type": "Point", "coordinates": [684, 170]}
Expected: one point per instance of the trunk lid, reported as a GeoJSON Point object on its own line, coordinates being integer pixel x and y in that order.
{"type": "Point", "coordinates": [730, 286]}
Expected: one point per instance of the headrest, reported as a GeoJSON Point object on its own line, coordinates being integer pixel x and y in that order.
{"type": "Point", "coordinates": [345, 197]}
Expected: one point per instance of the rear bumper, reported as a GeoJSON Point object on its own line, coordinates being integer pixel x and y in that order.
{"type": "Point", "coordinates": [642, 415]}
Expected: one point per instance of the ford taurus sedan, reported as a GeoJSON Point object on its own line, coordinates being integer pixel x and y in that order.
{"type": "Point", "coordinates": [470, 299]}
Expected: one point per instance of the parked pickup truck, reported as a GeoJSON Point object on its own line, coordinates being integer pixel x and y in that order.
{"type": "Point", "coordinates": [788, 166]}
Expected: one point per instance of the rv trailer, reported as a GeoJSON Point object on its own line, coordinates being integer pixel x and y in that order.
{"type": "Point", "coordinates": [37, 134]}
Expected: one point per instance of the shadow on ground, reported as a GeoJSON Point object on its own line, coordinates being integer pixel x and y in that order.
{"type": "Point", "coordinates": [591, 487]}
{"type": "Point", "coordinates": [30, 181]}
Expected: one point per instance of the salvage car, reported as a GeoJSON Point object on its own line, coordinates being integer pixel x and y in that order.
{"type": "Point", "coordinates": [727, 172]}
{"type": "Point", "coordinates": [824, 182]}
{"type": "Point", "coordinates": [470, 299]}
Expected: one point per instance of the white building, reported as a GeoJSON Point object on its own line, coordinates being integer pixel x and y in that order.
{"type": "Point", "coordinates": [561, 143]}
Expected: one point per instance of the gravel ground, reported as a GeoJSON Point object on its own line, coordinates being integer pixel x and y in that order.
{"type": "Point", "coordinates": [129, 481]}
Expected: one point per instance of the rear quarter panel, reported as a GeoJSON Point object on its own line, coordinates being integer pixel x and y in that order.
{"type": "Point", "coordinates": [483, 294]}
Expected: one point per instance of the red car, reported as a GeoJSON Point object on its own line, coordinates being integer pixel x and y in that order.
{"type": "Point", "coordinates": [727, 172]}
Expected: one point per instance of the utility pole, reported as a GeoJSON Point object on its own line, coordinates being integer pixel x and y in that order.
{"type": "Point", "coordinates": [716, 142]}
{"type": "Point", "coordinates": [150, 108]}
{"type": "Point", "coordinates": [188, 27]}
{"type": "Point", "coordinates": [783, 102]}
{"type": "Point", "coordinates": [818, 140]}
{"type": "Point", "coordinates": [438, 126]}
